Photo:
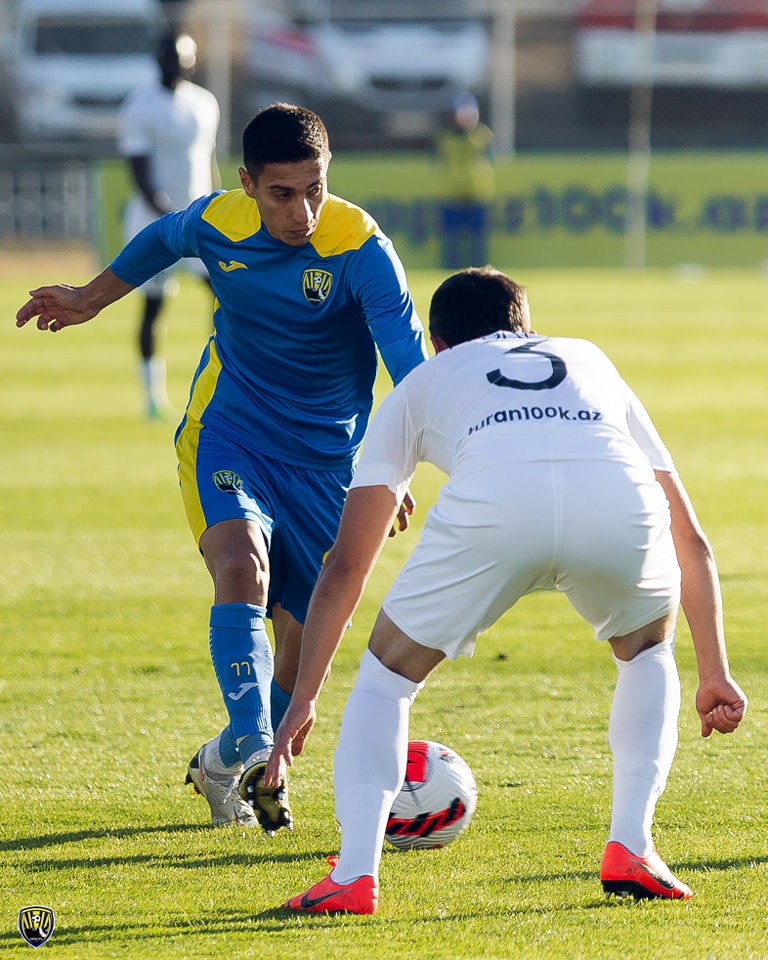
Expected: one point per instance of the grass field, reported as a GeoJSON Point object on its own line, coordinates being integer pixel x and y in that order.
{"type": "Point", "coordinates": [107, 688]}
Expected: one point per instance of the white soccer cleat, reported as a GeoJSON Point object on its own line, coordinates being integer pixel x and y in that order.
{"type": "Point", "coordinates": [227, 807]}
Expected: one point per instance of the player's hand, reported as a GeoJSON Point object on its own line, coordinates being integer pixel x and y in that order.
{"type": "Point", "coordinates": [721, 704]}
{"type": "Point", "coordinates": [55, 307]}
{"type": "Point", "coordinates": [403, 514]}
{"type": "Point", "coordinates": [289, 739]}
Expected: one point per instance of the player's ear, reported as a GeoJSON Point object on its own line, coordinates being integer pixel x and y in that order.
{"type": "Point", "coordinates": [246, 182]}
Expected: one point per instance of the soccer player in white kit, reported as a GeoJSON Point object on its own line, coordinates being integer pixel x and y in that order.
{"type": "Point", "coordinates": [167, 133]}
{"type": "Point", "coordinates": [557, 479]}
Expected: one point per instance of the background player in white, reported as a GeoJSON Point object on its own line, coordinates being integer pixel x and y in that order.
{"type": "Point", "coordinates": [557, 479]}
{"type": "Point", "coordinates": [167, 133]}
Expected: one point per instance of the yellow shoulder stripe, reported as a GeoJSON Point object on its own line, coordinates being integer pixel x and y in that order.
{"type": "Point", "coordinates": [342, 227]}
{"type": "Point", "coordinates": [234, 214]}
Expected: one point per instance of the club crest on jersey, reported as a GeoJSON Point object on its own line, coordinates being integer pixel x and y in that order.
{"type": "Point", "coordinates": [316, 285]}
{"type": "Point", "coordinates": [227, 481]}
{"type": "Point", "coordinates": [36, 924]}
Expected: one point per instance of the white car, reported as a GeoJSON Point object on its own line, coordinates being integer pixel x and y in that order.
{"type": "Point", "coordinates": [70, 63]}
{"type": "Point", "coordinates": [716, 44]}
{"type": "Point", "coordinates": [400, 59]}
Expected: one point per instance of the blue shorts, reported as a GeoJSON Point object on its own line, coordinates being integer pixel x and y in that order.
{"type": "Point", "coordinates": [297, 509]}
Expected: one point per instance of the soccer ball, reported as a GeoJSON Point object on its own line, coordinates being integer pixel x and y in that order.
{"type": "Point", "coordinates": [437, 800]}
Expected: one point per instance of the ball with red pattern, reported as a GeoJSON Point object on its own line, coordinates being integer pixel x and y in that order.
{"type": "Point", "coordinates": [437, 800]}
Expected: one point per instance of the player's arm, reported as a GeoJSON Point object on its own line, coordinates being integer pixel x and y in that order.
{"type": "Point", "coordinates": [379, 283]}
{"type": "Point", "coordinates": [720, 701]}
{"type": "Point", "coordinates": [154, 248]}
{"type": "Point", "coordinates": [158, 200]}
{"type": "Point", "coordinates": [366, 520]}
{"type": "Point", "coordinates": [62, 305]}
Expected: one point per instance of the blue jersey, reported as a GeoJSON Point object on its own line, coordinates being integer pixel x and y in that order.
{"type": "Point", "coordinates": [290, 367]}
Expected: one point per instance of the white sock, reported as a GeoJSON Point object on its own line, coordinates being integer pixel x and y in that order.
{"type": "Point", "coordinates": [369, 764]}
{"type": "Point", "coordinates": [153, 375]}
{"type": "Point", "coordinates": [643, 736]}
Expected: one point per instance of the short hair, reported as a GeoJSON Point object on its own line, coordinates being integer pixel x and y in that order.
{"type": "Point", "coordinates": [476, 302]}
{"type": "Point", "coordinates": [283, 133]}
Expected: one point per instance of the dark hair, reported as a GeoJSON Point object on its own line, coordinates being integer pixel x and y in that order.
{"type": "Point", "coordinates": [283, 133]}
{"type": "Point", "coordinates": [476, 302]}
{"type": "Point", "coordinates": [167, 48]}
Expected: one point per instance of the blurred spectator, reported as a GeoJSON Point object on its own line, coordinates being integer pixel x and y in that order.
{"type": "Point", "coordinates": [168, 136]}
{"type": "Point", "coordinates": [464, 149]}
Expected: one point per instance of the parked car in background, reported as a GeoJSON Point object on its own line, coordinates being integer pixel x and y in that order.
{"type": "Point", "coordinates": [392, 65]}
{"type": "Point", "coordinates": [712, 44]}
{"type": "Point", "coordinates": [70, 63]}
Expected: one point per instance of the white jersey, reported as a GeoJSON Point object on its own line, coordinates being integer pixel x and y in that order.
{"type": "Point", "coordinates": [177, 130]}
{"type": "Point", "coordinates": [503, 399]}
{"type": "Point", "coordinates": [550, 458]}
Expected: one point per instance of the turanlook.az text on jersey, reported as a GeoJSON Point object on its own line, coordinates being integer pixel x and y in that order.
{"type": "Point", "coordinates": [576, 386]}
{"type": "Point", "coordinates": [509, 398]}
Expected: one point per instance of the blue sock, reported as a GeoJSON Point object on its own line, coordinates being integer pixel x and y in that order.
{"type": "Point", "coordinates": [230, 755]}
{"type": "Point", "coordinates": [243, 661]}
{"type": "Point", "coordinates": [279, 700]}
{"type": "Point", "coordinates": [249, 745]}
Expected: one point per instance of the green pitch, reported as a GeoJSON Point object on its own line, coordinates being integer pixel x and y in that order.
{"type": "Point", "coordinates": [107, 688]}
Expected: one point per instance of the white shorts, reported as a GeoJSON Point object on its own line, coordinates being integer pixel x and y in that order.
{"type": "Point", "coordinates": [164, 284]}
{"type": "Point", "coordinates": [597, 531]}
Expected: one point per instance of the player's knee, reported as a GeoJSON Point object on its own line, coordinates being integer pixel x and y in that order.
{"type": "Point", "coordinates": [240, 576]}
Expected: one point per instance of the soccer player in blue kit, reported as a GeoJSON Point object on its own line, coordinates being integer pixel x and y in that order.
{"type": "Point", "coordinates": [307, 290]}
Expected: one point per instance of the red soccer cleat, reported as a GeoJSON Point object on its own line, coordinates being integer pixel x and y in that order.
{"type": "Point", "coordinates": [644, 878]}
{"type": "Point", "coordinates": [327, 896]}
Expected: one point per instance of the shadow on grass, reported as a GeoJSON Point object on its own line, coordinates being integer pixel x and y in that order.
{"type": "Point", "coordinates": [105, 833]}
{"type": "Point", "coordinates": [225, 922]}
{"type": "Point", "coordinates": [264, 853]}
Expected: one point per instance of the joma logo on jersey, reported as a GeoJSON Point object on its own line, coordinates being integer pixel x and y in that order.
{"type": "Point", "coordinates": [227, 481]}
{"type": "Point", "coordinates": [316, 285]}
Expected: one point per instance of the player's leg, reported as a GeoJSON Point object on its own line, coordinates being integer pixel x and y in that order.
{"type": "Point", "coordinates": [450, 236]}
{"type": "Point", "coordinates": [153, 367]}
{"type": "Point", "coordinates": [235, 552]}
{"type": "Point", "coordinates": [288, 634]}
{"type": "Point", "coordinates": [642, 732]}
{"type": "Point", "coordinates": [223, 493]}
{"type": "Point", "coordinates": [446, 592]}
{"type": "Point", "coordinates": [236, 555]}
{"type": "Point", "coordinates": [371, 755]}
{"type": "Point", "coordinates": [620, 571]}
{"type": "Point", "coordinates": [369, 766]}
{"type": "Point", "coordinates": [479, 214]}
{"type": "Point", "coordinates": [311, 502]}
{"type": "Point", "coordinates": [153, 370]}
